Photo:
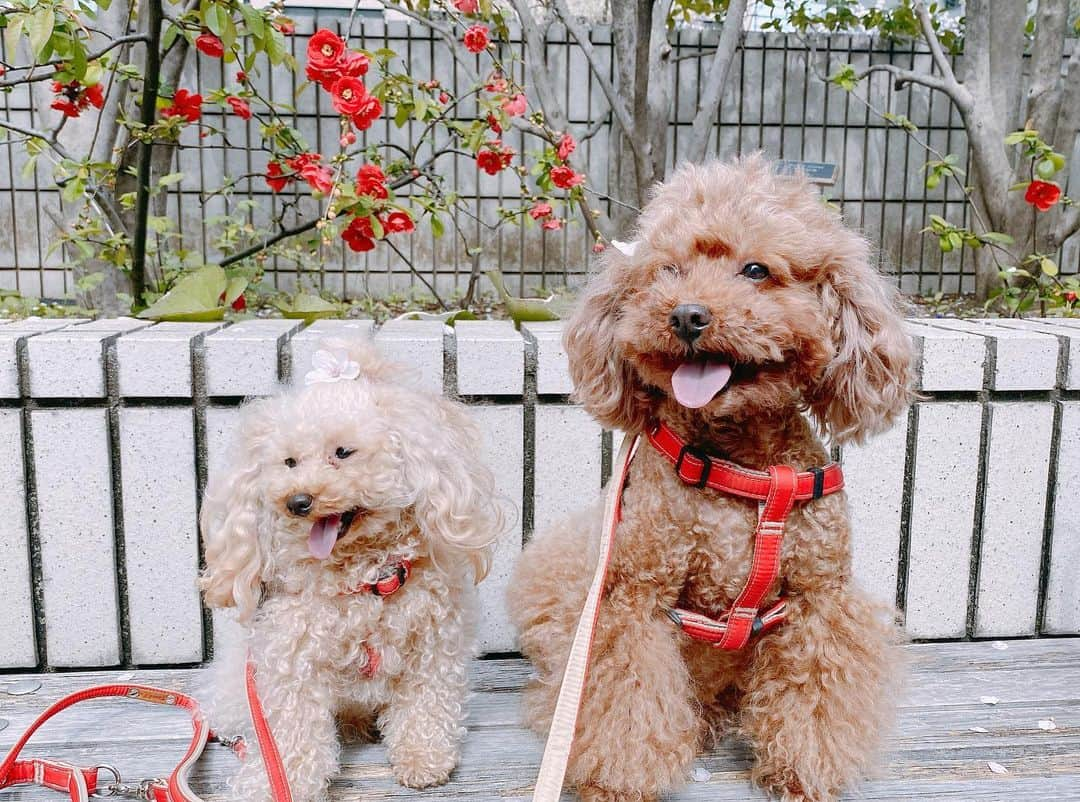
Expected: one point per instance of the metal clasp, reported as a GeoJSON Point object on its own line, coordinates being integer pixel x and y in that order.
{"type": "Point", "coordinates": [706, 465]}
{"type": "Point", "coordinates": [144, 790]}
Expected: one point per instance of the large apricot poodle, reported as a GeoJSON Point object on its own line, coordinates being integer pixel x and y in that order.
{"type": "Point", "coordinates": [743, 304]}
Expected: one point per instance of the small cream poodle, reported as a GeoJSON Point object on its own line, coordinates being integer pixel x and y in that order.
{"type": "Point", "coordinates": [743, 305]}
{"type": "Point", "coordinates": [348, 532]}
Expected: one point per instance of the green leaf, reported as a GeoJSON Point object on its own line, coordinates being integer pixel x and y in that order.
{"type": "Point", "coordinates": [309, 307]}
{"type": "Point", "coordinates": [1048, 266]}
{"type": "Point", "coordinates": [194, 298]}
{"type": "Point", "coordinates": [1015, 138]}
{"type": "Point", "coordinates": [235, 288]}
{"type": "Point", "coordinates": [528, 310]}
{"type": "Point", "coordinates": [449, 318]}
{"type": "Point", "coordinates": [170, 179]}
{"type": "Point", "coordinates": [12, 33]}
{"type": "Point", "coordinates": [40, 29]}
{"type": "Point", "coordinates": [1046, 169]}
{"type": "Point", "coordinates": [997, 237]}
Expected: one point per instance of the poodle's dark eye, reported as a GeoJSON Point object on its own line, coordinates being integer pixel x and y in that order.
{"type": "Point", "coordinates": [290, 462]}
{"type": "Point", "coordinates": [344, 453]}
{"type": "Point", "coordinates": [755, 271]}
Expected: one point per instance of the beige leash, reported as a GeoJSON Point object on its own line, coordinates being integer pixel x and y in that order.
{"type": "Point", "coordinates": [560, 739]}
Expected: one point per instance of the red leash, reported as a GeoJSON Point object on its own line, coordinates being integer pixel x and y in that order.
{"type": "Point", "coordinates": [778, 490]}
{"type": "Point", "coordinates": [82, 783]}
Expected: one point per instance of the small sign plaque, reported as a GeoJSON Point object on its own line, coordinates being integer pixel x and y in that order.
{"type": "Point", "coordinates": [817, 172]}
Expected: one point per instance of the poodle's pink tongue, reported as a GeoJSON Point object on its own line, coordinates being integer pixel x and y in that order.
{"type": "Point", "coordinates": [323, 536]}
{"type": "Point", "coordinates": [695, 383]}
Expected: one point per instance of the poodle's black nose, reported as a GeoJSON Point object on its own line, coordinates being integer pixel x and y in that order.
{"type": "Point", "coordinates": [300, 504]}
{"type": "Point", "coordinates": [688, 321]}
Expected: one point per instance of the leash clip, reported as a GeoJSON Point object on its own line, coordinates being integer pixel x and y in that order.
{"type": "Point", "coordinates": [706, 465]}
{"type": "Point", "coordinates": [144, 790]}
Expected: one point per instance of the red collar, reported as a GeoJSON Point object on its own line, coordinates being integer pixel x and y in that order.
{"type": "Point", "coordinates": [697, 468]}
{"type": "Point", "coordinates": [391, 578]}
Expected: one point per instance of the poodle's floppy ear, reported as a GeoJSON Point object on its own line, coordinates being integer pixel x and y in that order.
{"type": "Point", "coordinates": [230, 527]}
{"type": "Point", "coordinates": [604, 381]}
{"type": "Point", "coordinates": [867, 383]}
{"type": "Point", "coordinates": [455, 505]}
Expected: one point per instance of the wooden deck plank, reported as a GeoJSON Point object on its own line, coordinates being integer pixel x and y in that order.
{"type": "Point", "coordinates": [934, 754]}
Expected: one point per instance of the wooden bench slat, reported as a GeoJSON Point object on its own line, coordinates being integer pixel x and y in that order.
{"type": "Point", "coordinates": [933, 755]}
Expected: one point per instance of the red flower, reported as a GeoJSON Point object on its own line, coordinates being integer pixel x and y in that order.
{"type": "Point", "coordinates": [541, 209]}
{"type": "Point", "coordinates": [398, 222]}
{"type": "Point", "coordinates": [285, 26]}
{"type": "Point", "coordinates": [493, 157]}
{"type": "Point", "coordinates": [240, 107]}
{"type": "Point", "coordinates": [241, 76]}
{"type": "Point", "coordinates": [515, 106]}
{"type": "Point", "coordinates": [496, 84]}
{"type": "Point", "coordinates": [94, 96]}
{"type": "Point", "coordinates": [1042, 194]}
{"type": "Point", "coordinates": [565, 178]}
{"type": "Point", "coordinates": [358, 235]}
{"type": "Point", "coordinates": [443, 97]}
{"type": "Point", "coordinates": [354, 64]}
{"type": "Point", "coordinates": [476, 38]}
{"type": "Point", "coordinates": [325, 48]}
{"type": "Point", "coordinates": [1070, 296]}
{"type": "Point", "coordinates": [566, 147]}
{"type": "Point", "coordinates": [210, 45]}
{"type": "Point", "coordinates": [184, 104]}
{"type": "Point", "coordinates": [348, 95]}
{"type": "Point", "coordinates": [276, 178]}
{"type": "Point", "coordinates": [552, 225]}
{"type": "Point", "coordinates": [493, 123]}
{"type": "Point", "coordinates": [598, 247]}
{"type": "Point", "coordinates": [371, 181]}
{"type": "Point", "coordinates": [319, 177]}
{"type": "Point", "coordinates": [370, 110]}
{"type": "Point", "coordinates": [238, 304]}
{"type": "Point", "coordinates": [467, 6]}
{"type": "Point", "coordinates": [68, 108]}
{"type": "Point", "coordinates": [73, 98]}
{"type": "Point", "coordinates": [348, 138]}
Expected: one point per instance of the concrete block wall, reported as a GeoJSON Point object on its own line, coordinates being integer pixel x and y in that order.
{"type": "Point", "coordinates": [964, 513]}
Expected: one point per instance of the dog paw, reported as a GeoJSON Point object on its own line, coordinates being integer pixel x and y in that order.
{"type": "Point", "coordinates": [423, 773]}
{"type": "Point", "coordinates": [596, 793]}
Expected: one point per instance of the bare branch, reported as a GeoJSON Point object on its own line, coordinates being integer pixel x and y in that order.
{"type": "Point", "coordinates": [1044, 88]}
{"type": "Point", "coordinates": [285, 233]}
{"type": "Point", "coordinates": [29, 79]}
{"type": "Point", "coordinates": [1067, 226]}
{"type": "Point", "coordinates": [716, 80]}
{"type": "Point", "coordinates": [33, 133]}
{"type": "Point", "coordinates": [941, 60]}
{"type": "Point", "coordinates": [905, 77]}
{"type": "Point", "coordinates": [536, 45]}
{"type": "Point", "coordinates": [600, 72]}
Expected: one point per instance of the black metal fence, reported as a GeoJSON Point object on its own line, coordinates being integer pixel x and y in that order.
{"type": "Point", "coordinates": [777, 102]}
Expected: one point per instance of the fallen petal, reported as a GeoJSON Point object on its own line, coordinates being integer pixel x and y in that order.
{"type": "Point", "coordinates": [700, 774]}
{"type": "Point", "coordinates": [989, 700]}
{"type": "Point", "coordinates": [978, 729]}
{"type": "Point", "coordinates": [1047, 724]}
{"type": "Point", "coordinates": [997, 768]}
{"type": "Point", "coordinates": [1000, 645]}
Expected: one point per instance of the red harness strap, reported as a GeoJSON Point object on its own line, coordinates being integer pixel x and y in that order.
{"type": "Point", "coordinates": [778, 490]}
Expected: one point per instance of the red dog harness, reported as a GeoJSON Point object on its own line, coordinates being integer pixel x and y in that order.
{"type": "Point", "coordinates": [82, 783]}
{"type": "Point", "coordinates": [777, 489]}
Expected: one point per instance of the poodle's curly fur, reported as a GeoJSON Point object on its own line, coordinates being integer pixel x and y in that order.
{"type": "Point", "coordinates": [822, 334]}
{"type": "Point", "coordinates": [422, 496]}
